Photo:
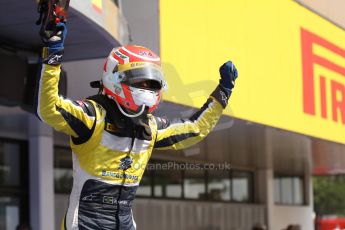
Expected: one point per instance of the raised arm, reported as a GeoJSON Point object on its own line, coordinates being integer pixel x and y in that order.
{"type": "Point", "coordinates": [75, 118]}
{"type": "Point", "coordinates": [183, 133]}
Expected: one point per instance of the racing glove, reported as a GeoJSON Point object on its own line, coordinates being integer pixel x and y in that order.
{"type": "Point", "coordinates": [55, 45]}
{"type": "Point", "coordinates": [228, 75]}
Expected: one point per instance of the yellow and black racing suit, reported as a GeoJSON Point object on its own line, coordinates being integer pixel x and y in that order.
{"type": "Point", "coordinates": [109, 157]}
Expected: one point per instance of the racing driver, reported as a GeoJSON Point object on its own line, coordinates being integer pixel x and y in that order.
{"type": "Point", "coordinates": [114, 130]}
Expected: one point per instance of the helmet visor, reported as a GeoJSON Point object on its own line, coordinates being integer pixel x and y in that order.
{"type": "Point", "coordinates": [146, 78]}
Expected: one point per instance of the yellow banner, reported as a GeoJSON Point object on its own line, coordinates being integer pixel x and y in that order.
{"type": "Point", "coordinates": [291, 62]}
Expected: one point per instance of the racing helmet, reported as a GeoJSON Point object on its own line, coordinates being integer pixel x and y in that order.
{"type": "Point", "coordinates": [133, 78]}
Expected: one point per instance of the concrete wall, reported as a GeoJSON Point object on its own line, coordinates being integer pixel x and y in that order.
{"type": "Point", "coordinates": [143, 21]}
{"type": "Point", "coordinates": [61, 205]}
{"type": "Point", "coordinates": [183, 215]}
{"type": "Point", "coordinates": [292, 156]}
{"type": "Point", "coordinates": [79, 76]}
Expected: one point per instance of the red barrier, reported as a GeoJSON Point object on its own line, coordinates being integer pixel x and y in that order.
{"type": "Point", "coordinates": [330, 223]}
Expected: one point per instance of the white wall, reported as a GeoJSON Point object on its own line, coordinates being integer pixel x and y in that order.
{"type": "Point", "coordinates": [285, 215]}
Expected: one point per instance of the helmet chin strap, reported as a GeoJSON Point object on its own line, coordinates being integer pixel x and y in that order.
{"type": "Point", "coordinates": [131, 115]}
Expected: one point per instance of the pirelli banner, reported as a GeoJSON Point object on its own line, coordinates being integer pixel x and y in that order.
{"type": "Point", "coordinates": [291, 61]}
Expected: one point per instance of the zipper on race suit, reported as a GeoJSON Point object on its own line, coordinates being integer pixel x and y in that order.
{"type": "Point", "coordinates": [124, 179]}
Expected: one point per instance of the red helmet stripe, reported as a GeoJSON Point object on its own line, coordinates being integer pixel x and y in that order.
{"type": "Point", "coordinates": [126, 102]}
{"type": "Point", "coordinates": [108, 92]}
{"type": "Point", "coordinates": [133, 57]}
